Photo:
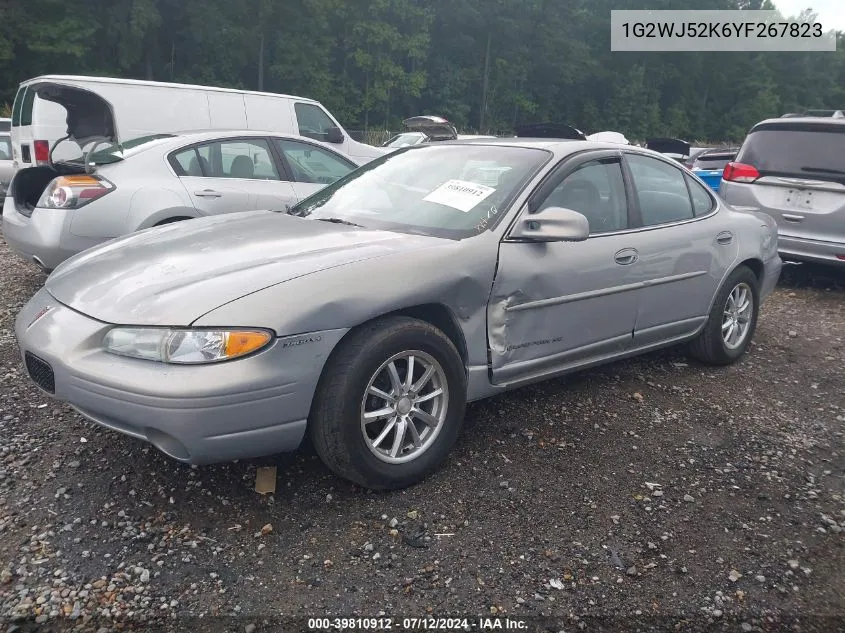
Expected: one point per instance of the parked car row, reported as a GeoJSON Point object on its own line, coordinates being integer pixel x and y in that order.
{"type": "Point", "coordinates": [222, 294]}
{"type": "Point", "coordinates": [370, 313]}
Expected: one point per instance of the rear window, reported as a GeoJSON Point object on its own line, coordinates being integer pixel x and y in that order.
{"type": "Point", "coordinates": [807, 151]}
{"type": "Point", "coordinates": [16, 106]}
{"type": "Point", "coordinates": [26, 107]}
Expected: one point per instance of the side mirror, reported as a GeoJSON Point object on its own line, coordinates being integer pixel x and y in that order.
{"type": "Point", "coordinates": [334, 135]}
{"type": "Point", "coordinates": [552, 224]}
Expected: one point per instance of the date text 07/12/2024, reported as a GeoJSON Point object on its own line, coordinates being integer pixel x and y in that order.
{"type": "Point", "coordinates": [417, 624]}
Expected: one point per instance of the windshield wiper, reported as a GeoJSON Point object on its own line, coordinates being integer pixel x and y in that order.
{"type": "Point", "coordinates": [824, 170]}
{"type": "Point", "coordinates": [339, 221]}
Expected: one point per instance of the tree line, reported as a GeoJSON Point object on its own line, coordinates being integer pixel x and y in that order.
{"type": "Point", "coordinates": [486, 65]}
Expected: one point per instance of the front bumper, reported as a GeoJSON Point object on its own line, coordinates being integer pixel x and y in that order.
{"type": "Point", "coordinates": [802, 249]}
{"type": "Point", "coordinates": [44, 237]}
{"type": "Point", "coordinates": [197, 414]}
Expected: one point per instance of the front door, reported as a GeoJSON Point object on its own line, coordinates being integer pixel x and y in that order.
{"type": "Point", "coordinates": [558, 305]}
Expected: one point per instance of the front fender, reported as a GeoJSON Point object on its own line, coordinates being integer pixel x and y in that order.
{"type": "Point", "coordinates": [457, 276]}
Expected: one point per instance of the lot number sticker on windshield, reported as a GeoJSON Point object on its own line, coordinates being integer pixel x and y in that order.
{"type": "Point", "coordinates": [459, 194]}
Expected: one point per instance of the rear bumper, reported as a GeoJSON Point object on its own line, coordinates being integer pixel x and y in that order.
{"type": "Point", "coordinates": [803, 249]}
{"type": "Point", "coordinates": [43, 238]}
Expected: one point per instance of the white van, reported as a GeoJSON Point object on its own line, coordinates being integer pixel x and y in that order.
{"type": "Point", "coordinates": [46, 107]}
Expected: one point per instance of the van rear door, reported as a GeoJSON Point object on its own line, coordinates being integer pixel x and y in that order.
{"type": "Point", "coordinates": [46, 112]}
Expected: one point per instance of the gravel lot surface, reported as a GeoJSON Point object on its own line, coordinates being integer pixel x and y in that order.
{"type": "Point", "coordinates": [652, 494]}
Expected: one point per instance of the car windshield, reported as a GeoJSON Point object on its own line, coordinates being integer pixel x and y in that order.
{"type": "Point", "coordinates": [451, 191]}
{"type": "Point", "coordinates": [803, 151]}
{"type": "Point", "coordinates": [406, 139]}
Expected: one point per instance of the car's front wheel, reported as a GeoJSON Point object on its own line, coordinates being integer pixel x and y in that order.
{"type": "Point", "coordinates": [390, 403]}
{"type": "Point", "coordinates": [732, 320]}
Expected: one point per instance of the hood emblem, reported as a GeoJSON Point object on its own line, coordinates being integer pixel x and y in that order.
{"type": "Point", "coordinates": [40, 314]}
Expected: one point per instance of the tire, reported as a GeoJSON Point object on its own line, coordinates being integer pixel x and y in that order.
{"type": "Point", "coordinates": [348, 445]}
{"type": "Point", "coordinates": [711, 346]}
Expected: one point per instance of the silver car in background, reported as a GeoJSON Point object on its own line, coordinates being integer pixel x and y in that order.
{"type": "Point", "coordinates": [373, 311]}
{"type": "Point", "coordinates": [54, 212]}
{"type": "Point", "coordinates": [793, 169]}
{"type": "Point", "coordinates": [7, 165]}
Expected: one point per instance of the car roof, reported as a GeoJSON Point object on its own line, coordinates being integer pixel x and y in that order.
{"type": "Point", "coordinates": [155, 84]}
{"type": "Point", "coordinates": [803, 120]}
{"type": "Point", "coordinates": [560, 147]}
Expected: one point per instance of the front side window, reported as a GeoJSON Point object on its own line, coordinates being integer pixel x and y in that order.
{"type": "Point", "coordinates": [661, 190]}
{"type": "Point", "coordinates": [313, 164]}
{"type": "Point", "coordinates": [450, 191]}
{"type": "Point", "coordinates": [5, 148]}
{"type": "Point", "coordinates": [595, 189]}
{"type": "Point", "coordinates": [313, 122]}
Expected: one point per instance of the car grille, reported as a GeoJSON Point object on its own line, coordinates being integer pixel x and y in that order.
{"type": "Point", "coordinates": [40, 372]}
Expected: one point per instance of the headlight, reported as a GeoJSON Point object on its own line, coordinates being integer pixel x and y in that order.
{"type": "Point", "coordinates": [184, 346]}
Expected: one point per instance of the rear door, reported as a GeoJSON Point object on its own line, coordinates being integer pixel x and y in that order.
{"type": "Point", "coordinates": [232, 175]}
{"type": "Point", "coordinates": [802, 177]}
{"type": "Point", "coordinates": [309, 166]}
{"type": "Point", "coordinates": [682, 246]}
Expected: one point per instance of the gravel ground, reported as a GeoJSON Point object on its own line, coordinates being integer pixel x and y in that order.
{"type": "Point", "coordinates": [652, 494]}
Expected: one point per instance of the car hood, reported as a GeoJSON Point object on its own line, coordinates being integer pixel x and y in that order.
{"type": "Point", "coordinates": [89, 116]}
{"type": "Point", "coordinates": [435, 127]}
{"type": "Point", "coordinates": [668, 146]}
{"type": "Point", "coordinates": [172, 275]}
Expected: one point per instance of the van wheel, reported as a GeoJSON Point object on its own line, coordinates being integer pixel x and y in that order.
{"type": "Point", "coordinates": [732, 320]}
{"type": "Point", "coordinates": [390, 404]}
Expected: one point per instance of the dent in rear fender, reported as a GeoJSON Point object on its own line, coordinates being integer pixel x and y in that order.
{"type": "Point", "coordinates": [457, 277]}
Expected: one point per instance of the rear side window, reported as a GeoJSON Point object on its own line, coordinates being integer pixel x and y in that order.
{"type": "Point", "coordinates": [17, 105]}
{"type": "Point", "coordinates": [807, 151]}
{"type": "Point", "coordinates": [661, 190]}
{"type": "Point", "coordinates": [702, 203]}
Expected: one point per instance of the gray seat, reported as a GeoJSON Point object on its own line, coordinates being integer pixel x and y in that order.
{"type": "Point", "coordinates": [242, 167]}
{"type": "Point", "coordinates": [199, 167]}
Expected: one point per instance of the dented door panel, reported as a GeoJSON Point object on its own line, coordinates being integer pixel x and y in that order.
{"type": "Point", "coordinates": [558, 304]}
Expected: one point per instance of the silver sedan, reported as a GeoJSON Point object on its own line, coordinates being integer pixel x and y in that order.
{"type": "Point", "coordinates": [373, 311]}
{"type": "Point", "coordinates": [52, 213]}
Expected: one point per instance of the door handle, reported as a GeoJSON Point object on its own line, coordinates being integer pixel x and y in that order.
{"type": "Point", "coordinates": [725, 237]}
{"type": "Point", "coordinates": [793, 218]}
{"type": "Point", "coordinates": [208, 193]}
{"type": "Point", "coordinates": [626, 256]}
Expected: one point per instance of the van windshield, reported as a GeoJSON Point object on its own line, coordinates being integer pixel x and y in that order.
{"type": "Point", "coordinates": [116, 151]}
